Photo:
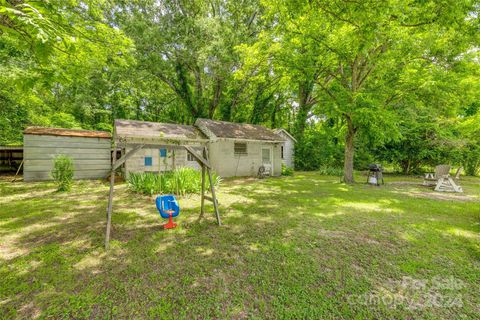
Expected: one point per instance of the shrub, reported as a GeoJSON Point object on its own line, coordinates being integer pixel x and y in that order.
{"type": "Point", "coordinates": [287, 171]}
{"type": "Point", "coordinates": [181, 182]}
{"type": "Point", "coordinates": [62, 172]}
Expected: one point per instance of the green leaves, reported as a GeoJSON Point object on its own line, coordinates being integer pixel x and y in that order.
{"type": "Point", "coordinates": [391, 70]}
{"type": "Point", "coordinates": [367, 60]}
{"type": "Point", "coordinates": [62, 172]}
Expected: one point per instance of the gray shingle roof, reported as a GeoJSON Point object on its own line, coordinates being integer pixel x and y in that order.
{"type": "Point", "coordinates": [223, 129]}
{"type": "Point", "coordinates": [145, 129]}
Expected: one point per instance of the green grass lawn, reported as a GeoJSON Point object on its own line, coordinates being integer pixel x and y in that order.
{"type": "Point", "coordinates": [297, 247]}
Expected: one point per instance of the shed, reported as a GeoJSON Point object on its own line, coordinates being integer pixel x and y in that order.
{"type": "Point", "coordinates": [240, 149]}
{"type": "Point", "coordinates": [288, 148]}
{"type": "Point", "coordinates": [10, 157]}
{"type": "Point", "coordinates": [89, 150]}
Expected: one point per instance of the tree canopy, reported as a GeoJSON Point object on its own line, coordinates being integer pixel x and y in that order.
{"type": "Point", "coordinates": [355, 81]}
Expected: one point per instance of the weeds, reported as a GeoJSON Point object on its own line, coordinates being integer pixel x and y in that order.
{"type": "Point", "coordinates": [181, 182]}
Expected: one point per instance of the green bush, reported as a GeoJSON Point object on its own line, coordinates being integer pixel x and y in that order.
{"type": "Point", "coordinates": [62, 172]}
{"type": "Point", "coordinates": [181, 182]}
{"type": "Point", "coordinates": [287, 171]}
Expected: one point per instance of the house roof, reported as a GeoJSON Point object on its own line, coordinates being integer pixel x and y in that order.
{"type": "Point", "coordinates": [152, 130]}
{"type": "Point", "coordinates": [67, 132]}
{"type": "Point", "coordinates": [222, 129]}
{"type": "Point", "coordinates": [278, 131]}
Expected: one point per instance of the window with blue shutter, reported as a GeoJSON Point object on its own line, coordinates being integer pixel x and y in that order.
{"type": "Point", "coordinates": [163, 153]}
{"type": "Point", "coordinates": [148, 161]}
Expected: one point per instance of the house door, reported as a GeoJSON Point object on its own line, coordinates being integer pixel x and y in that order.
{"type": "Point", "coordinates": [267, 159]}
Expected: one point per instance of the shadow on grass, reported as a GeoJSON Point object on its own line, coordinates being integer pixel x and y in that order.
{"type": "Point", "coordinates": [291, 247]}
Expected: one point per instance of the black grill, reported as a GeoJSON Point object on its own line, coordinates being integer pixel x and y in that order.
{"type": "Point", "coordinates": [374, 167]}
{"type": "Point", "coordinates": [375, 174]}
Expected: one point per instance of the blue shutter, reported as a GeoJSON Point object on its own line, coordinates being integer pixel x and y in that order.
{"type": "Point", "coordinates": [148, 161]}
{"type": "Point", "coordinates": [163, 153]}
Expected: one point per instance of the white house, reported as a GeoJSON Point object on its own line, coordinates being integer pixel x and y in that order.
{"type": "Point", "coordinates": [162, 158]}
{"type": "Point", "coordinates": [240, 149]}
{"type": "Point", "coordinates": [235, 149]}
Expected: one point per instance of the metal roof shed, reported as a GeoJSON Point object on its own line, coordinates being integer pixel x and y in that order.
{"type": "Point", "coordinates": [89, 150]}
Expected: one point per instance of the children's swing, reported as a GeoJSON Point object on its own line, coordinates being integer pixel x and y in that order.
{"type": "Point", "coordinates": [167, 205]}
{"type": "Point", "coordinates": [132, 136]}
{"type": "Point", "coordinates": [168, 208]}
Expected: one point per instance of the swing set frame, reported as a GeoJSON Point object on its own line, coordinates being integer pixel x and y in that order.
{"type": "Point", "coordinates": [201, 158]}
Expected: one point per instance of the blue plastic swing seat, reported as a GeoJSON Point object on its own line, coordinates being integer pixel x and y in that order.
{"type": "Point", "coordinates": [166, 203]}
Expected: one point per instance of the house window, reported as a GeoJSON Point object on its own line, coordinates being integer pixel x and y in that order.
{"type": "Point", "coordinates": [190, 157]}
{"type": "Point", "coordinates": [163, 153]}
{"type": "Point", "coordinates": [240, 148]}
{"type": "Point", "coordinates": [148, 161]}
{"type": "Point", "coordinates": [281, 148]}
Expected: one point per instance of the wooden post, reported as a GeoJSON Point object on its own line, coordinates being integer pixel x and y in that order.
{"type": "Point", "coordinates": [212, 188]}
{"type": "Point", "coordinates": [174, 169]}
{"type": "Point", "coordinates": [110, 196]}
{"type": "Point", "coordinates": [202, 201]}
{"type": "Point", "coordinates": [160, 168]}
{"type": "Point", "coordinates": [214, 197]}
{"type": "Point", "coordinates": [16, 174]}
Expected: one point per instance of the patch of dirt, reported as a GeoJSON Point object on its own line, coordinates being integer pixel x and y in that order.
{"type": "Point", "coordinates": [8, 176]}
{"type": "Point", "coordinates": [404, 183]}
{"type": "Point", "coordinates": [332, 234]}
{"type": "Point", "coordinates": [243, 180]}
{"type": "Point", "coordinates": [443, 196]}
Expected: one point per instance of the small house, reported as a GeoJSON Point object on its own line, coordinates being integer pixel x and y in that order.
{"type": "Point", "coordinates": [162, 137]}
{"type": "Point", "coordinates": [234, 149]}
{"type": "Point", "coordinates": [240, 149]}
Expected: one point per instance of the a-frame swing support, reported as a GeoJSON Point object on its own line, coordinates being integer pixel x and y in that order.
{"type": "Point", "coordinates": [206, 168]}
{"type": "Point", "coordinates": [202, 161]}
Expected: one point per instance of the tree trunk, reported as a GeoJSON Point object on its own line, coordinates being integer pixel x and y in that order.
{"type": "Point", "coordinates": [217, 93]}
{"type": "Point", "coordinates": [349, 152]}
{"type": "Point", "coordinates": [305, 104]}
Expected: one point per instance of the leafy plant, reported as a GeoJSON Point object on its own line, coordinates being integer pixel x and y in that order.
{"type": "Point", "coordinates": [182, 181]}
{"type": "Point", "coordinates": [287, 171]}
{"type": "Point", "coordinates": [62, 172]}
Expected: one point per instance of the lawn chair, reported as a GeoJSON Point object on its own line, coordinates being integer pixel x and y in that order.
{"type": "Point", "coordinates": [432, 178]}
{"type": "Point", "coordinates": [458, 173]}
{"type": "Point", "coordinates": [441, 180]}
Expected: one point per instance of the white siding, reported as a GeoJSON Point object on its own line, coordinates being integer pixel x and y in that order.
{"type": "Point", "coordinates": [91, 156]}
{"type": "Point", "coordinates": [288, 150]}
{"type": "Point", "coordinates": [136, 163]}
{"type": "Point", "coordinates": [228, 164]}
{"type": "Point", "coordinates": [222, 158]}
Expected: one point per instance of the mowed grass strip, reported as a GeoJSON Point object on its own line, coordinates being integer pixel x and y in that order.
{"type": "Point", "coordinates": [305, 246]}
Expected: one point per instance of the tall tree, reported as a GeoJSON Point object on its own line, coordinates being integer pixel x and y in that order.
{"type": "Point", "coordinates": [189, 45]}
{"type": "Point", "coordinates": [53, 54]}
{"type": "Point", "coordinates": [367, 46]}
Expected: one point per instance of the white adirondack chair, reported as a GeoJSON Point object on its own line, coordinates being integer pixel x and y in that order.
{"type": "Point", "coordinates": [441, 180]}
{"type": "Point", "coordinates": [458, 173]}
